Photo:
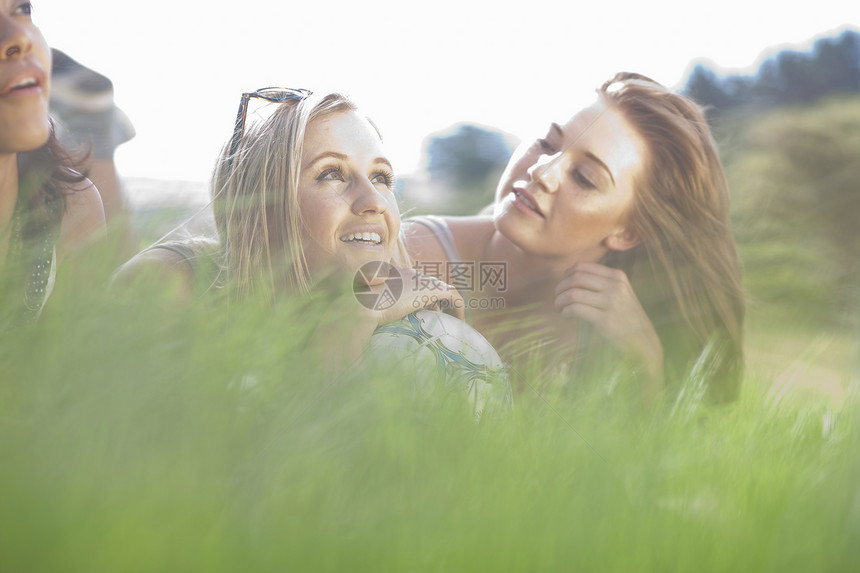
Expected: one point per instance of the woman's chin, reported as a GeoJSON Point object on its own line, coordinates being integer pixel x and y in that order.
{"type": "Point", "coordinates": [508, 223]}
{"type": "Point", "coordinates": [30, 138]}
{"type": "Point", "coordinates": [355, 258]}
{"type": "Point", "coordinates": [505, 216]}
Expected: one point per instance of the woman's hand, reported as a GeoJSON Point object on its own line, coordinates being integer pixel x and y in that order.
{"type": "Point", "coordinates": [374, 303]}
{"type": "Point", "coordinates": [603, 296]}
{"type": "Point", "coordinates": [419, 291]}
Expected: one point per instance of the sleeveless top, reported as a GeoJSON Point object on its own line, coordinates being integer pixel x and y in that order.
{"type": "Point", "coordinates": [440, 229]}
{"type": "Point", "coordinates": [33, 263]}
{"type": "Point", "coordinates": [203, 268]}
{"type": "Point", "coordinates": [42, 278]}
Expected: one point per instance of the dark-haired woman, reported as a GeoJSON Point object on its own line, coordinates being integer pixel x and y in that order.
{"type": "Point", "coordinates": [46, 207]}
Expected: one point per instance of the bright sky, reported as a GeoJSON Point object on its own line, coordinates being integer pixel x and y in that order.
{"type": "Point", "coordinates": [416, 68]}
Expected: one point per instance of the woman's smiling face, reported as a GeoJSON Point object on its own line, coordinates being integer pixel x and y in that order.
{"type": "Point", "coordinates": [345, 195]}
{"type": "Point", "coordinates": [568, 195]}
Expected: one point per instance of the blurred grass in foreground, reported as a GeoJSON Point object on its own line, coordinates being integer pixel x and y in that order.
{"type": "Point", "coordinates": [138, 437]}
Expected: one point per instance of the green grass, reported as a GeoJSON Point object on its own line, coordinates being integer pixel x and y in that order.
{"type": "Point", "coordinates": [128, 442]}
{"type": "Point", "coordinates": [138, 437]}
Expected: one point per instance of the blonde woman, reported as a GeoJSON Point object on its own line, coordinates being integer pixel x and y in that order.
{"type": "Point", "coordinates": [614, 231]}
{"type": "Point", "coordinates": [302, 197]}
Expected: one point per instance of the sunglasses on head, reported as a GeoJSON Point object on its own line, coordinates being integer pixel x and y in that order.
{"type": "Point", "coordinates": [274, 95]}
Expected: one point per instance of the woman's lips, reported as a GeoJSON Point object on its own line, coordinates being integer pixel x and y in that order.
{"type": "Point", "coordinates": [372, 236]}
{"type": "Point", "coordinates": [26, 81]}
{"type": "Point", "coordinates": [525, 201]}
{"type": "Point", "coordinates": [365, 237]}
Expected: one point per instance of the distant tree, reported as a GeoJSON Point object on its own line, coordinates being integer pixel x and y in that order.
{"type": "Point", "coordinates": [737, 88]}
{"type": "Point", "coordinates": [767, 90]}
{"type": "Point", "coordinates": [466, 157]}
{"type": "Point", "coordinates": [789, 77]}
{"type": "Point", "coordinates": [704, 86]}
{"type": "Point", "coordinates": [837, 63]}
{"type": "Point", "coordinates": [795, 72]}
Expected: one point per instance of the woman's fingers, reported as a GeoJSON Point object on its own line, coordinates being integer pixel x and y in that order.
{"type": "Point", "coordinates": [604, 297]}
{"type": "Point", "coordinates": [585, 281]}
{"type": "Point", "coordinates": [592, 276]}
{"type": "Point", "coordinates": [571, 296]}
{"type": "Point", "coordinates": [598, 270]}
{"type": "Point", "coordinates": [444, 298]}
{"type": "Point", "coordinates": [453, 304]}
{"type": "Point", "coordinates": [424, 292]}
{"type": "Point", "coordinates": [586, 312]}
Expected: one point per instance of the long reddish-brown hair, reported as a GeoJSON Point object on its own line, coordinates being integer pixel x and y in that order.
{"type": "Point", "coordinates": [686, 271]}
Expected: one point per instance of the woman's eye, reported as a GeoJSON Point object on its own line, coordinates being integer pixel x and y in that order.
{"type": "Point", "coordinates": [583, 180]}
{"type": "Point", "coordinates": [384, 178]}
{"type": "Point", "coordinates": [333, 174]}
{"type": "Point", "coordinates": [25, 8]}
{"type": "Point", "coordinates": [545, 146]}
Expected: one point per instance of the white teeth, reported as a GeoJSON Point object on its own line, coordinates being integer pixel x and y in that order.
{"type": "Point", "coordinates": [366, 237]}
{"type": "Point", "coordinates": [25, 83]}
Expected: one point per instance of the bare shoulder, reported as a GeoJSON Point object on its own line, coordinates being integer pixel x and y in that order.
{"type": "Point", "coordinates": [470, 236]}
{"type": "Point", "coordinates": [468, 231]}
{"type": "Point", "coordinates": [157, 268]}
{"type": "Point", "coordinates": [421, 243]}
{"type": "Point", "coordinates": [84, 218]}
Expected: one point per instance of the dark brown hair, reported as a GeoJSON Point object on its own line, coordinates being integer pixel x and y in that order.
{"type": "Point", "coordinates": [44, 177]}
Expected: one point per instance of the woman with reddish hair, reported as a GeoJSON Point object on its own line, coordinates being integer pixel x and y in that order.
{"type": "Point", "coordinates": [614, 234]}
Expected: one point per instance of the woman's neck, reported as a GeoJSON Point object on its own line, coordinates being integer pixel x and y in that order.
{"type": "Point", "coordinates": [531, 278]}
{"type": "Point", "coordinates": [528, 324]}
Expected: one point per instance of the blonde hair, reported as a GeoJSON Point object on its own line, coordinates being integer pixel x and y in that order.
{"type": "Point", "coordinates": [256, 204]}
{"type": "Point", "coordinates": [686, 270]}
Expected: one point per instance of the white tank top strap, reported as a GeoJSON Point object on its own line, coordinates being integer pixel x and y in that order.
{"type": "Point", "coordinates": [442, 232]}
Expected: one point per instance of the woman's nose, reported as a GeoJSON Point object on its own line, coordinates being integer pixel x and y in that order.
{"type": "Point", "coordinates": [15, 40]}
{"type": "Point", "coordinates": [545, 172]}
{"type": "Point", "coordinates": [368, 199]}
